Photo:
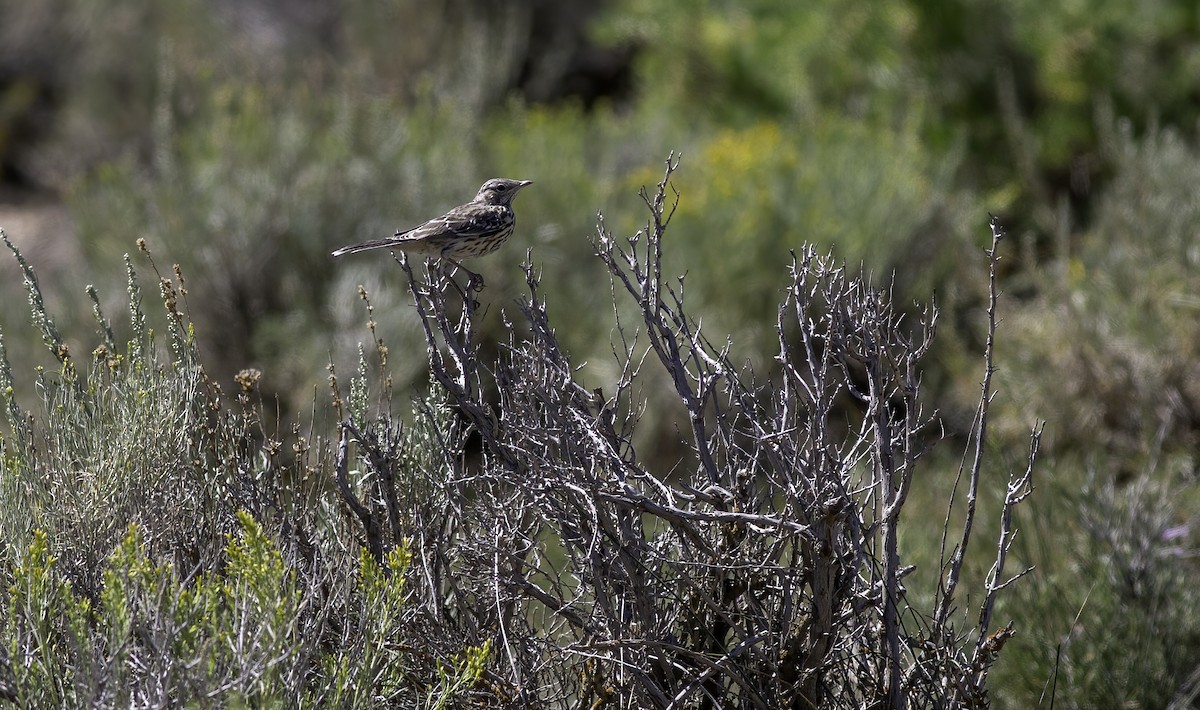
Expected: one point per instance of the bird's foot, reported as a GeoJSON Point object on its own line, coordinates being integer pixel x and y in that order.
{"type": "Point", "coordinates": [474, 280]}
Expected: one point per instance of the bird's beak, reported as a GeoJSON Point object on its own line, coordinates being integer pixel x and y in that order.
{"type": "Point", "coordinates": [526, 183]}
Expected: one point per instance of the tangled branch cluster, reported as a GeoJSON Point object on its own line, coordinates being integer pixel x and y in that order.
{"type": "Point", "coordinates": [764, 571]}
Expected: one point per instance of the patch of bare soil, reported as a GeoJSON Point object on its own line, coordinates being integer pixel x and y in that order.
{"type": "Point", "coordinates": [41, 227]}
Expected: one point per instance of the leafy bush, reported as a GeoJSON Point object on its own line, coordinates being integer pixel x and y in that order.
{"type": "Point", "coordinates": [1116, 325]}
{"type": "Point", "coordinates": [160, 547]}
{"type": "Point", "coordinates": [1119, 611]}
{"type": "Point", "coordinates": [1107, 353]}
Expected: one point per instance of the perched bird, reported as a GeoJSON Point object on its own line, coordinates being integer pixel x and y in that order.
{"type": "Point", "coordinates": [479, 227]}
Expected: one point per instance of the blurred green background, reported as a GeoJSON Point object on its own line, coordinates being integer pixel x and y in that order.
{"type": "Point", "coordinates": [245, 140]}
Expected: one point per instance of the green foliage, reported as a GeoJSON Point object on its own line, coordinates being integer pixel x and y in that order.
{"type": "Point", "coordinates": [46, 629]}
{"type": "Point", "coordinates": [1144, 54]}
{"type": "Point", "coordinates": [1107, 353]}
{"type": "Point", "coordinates": [766, 189]}
{"type": "Point", "coordinates": [233, 636]}
{"type": "Point", "coordinates": [151, 536]}
{"type": "Point", "coordinates": [1115, 597]}
{"type": "Point", "coordinates": [377, 660]}
{"type": "Point", "coordinates": [741, 61]}
{"type": "Point", "coordinates": [466, 669]}
{"type": "Point", "coordinates": [122, 434]}
{"type": "Point", "coordinates": [1116, 323]}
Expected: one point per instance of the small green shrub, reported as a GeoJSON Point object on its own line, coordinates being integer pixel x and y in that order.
{"type": "Point", "coordinates": [161, 548]}
{"type": "Point", "coordinates": [1107, 351]}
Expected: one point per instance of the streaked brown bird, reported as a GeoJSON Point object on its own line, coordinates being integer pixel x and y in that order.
{"type": "Point", "coordinates": [477, 228]}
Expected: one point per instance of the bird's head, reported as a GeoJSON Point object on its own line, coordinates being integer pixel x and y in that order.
{"type": "Point", "coordinates": [500, 191]}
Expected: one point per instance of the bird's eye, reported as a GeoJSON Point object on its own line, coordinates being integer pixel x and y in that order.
{"type": "Point", "coordinates": [502, 188]}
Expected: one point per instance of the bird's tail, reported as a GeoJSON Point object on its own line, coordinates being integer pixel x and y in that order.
{"type": "Point", "coordinates": [376, 244]}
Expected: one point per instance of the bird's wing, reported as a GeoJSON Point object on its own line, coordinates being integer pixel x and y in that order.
{"type": "Point", "coordinates": [471, 220]}
{"type": "Point", "coordinates": [459, 223]}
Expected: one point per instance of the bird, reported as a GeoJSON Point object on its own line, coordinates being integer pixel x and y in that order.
{"type": "Point", "coordinates": [477, 228]}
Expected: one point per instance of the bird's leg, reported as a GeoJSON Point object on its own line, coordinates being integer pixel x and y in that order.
{"type": "Point", "coordinates": [454, 282]}
{"type": "Point", "coordinates": [474, 280]}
